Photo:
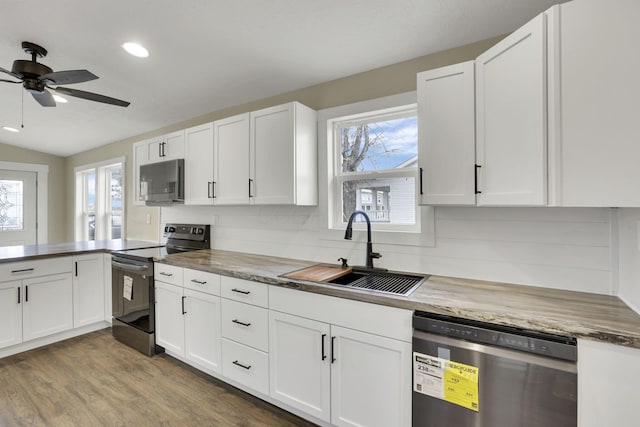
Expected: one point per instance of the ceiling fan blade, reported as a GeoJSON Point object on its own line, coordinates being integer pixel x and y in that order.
{"type": "Point", "coordinates": [91, 96]}
{"type": "Point", "coordinates": [68, 77]}
{"type": "Point", "coordinates": [44, 98]}
{"type": "Point", "coordinates": [16, 75]}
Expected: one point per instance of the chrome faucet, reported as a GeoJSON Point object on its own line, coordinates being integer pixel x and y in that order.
{"type": "Point", "coordinates": [349, 232]}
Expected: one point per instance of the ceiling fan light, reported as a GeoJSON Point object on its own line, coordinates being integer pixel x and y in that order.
{"type": "Point", "coordinates": [10, 129]}
{"type": "Point", "coordinates": [60, 99]}
{"type": "Point", "coordinates": [135, 49]}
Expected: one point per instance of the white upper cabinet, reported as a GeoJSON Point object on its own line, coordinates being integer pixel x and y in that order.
{"type": "Point", "coordinates": [166, 147]}
{"type": "Point", "coordinates": [446, 135]}
{"type": "Point", "coordinates": [598, 114]}
{"type": "Point", "coordinates": [511, 125]}
{"type": "Point", "coordinates": [231, 172]}
{"type": "Point", "coordinates": [283, 156]}
{"type": "Point", "coordinates": [198, 165]}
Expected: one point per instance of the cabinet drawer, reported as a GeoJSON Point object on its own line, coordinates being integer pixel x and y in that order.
{"type": "Point", "coordinates": [167, 274]}
{"type": "Point", "coordinates": [202, 281]}
{"type": "Point", "coordinates": [35, 268]}
{"type": "Point", "coordinates": [245, 291]}
{"type": "Point", "coordinates": [246, 365]}
{"type": "Point", "coordinates": [246, 324]}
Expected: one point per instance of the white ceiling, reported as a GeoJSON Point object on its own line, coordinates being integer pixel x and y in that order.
{"type": "Point", "coordinates": [206, 55]}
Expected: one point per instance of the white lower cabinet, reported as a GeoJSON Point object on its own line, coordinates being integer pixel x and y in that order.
{"type": "Point", "coordinates": [245, 365]}
{"type": "Point", "coordinates": [88, 289]}
{"type": "Point", "coordinates": [188, 323]}
{"type": "Point", "coordinates": [48, 305]}
{"type": "Point", "coordinates": [10, 313]}
{"type": "Point", "coordinates": [338, 374]}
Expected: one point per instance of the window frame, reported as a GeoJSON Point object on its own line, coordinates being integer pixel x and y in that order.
{"type": "Point", "coordinates": [338, 177]}
{"type": "Point", "coordinates": [102, 209]}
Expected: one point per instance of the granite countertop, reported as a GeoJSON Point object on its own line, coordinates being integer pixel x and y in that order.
{"type": "Point", "coordinates": [578, 314]}
{"type": "Point", "coordinates": [28, 252]}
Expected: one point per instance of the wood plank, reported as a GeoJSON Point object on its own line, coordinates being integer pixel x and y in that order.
{"type": "Point", "coordinates": [94, 380]}
{"type": "Point", "coordinates": [319, 273]}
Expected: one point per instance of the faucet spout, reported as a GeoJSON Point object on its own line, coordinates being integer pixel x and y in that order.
{"type": "Point", "coordinates": [370, 255]}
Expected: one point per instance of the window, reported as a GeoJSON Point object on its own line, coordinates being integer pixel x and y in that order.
{"type": "Point", "coordinates": [11, 205]}
{"type": "Point", "coordinates": [100, 201]}
{"type": "Point", "coordinates": [376, 158]}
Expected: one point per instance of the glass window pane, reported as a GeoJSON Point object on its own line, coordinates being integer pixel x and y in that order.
{"type": "Point", "coordinates": [115, 178]}
{"type": "Point", "coordinates": [379, 145]}
{"type": "Point", "coordinates": [386, 200]}
{"type": "Point", "coordinates": [11, 205]}
{"type": "Point", "coordinates": [91, 225]}
{"type": "Point", "coordinates": [90, 192]}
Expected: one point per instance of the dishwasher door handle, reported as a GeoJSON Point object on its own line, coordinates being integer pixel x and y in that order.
{"type": "Point", "coordinates": [506, 353]}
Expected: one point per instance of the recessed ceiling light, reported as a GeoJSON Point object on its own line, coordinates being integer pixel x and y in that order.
{"type": "Point", "coordinates": [135, 49]}
{"type": "Point", "coordinates": [60, 99]}
{"type": "Point", "coordinates": [10, 129]}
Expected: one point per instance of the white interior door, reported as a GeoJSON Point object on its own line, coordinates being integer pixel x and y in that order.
{"type": "Point", "coordinates": [18, 195]}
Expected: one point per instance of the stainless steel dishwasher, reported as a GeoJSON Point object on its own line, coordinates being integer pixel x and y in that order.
{"type": "Point", "coordinates": [468, 373]}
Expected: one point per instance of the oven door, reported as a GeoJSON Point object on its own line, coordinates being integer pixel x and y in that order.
{"type": "Point", "coordinates": [132, 293]}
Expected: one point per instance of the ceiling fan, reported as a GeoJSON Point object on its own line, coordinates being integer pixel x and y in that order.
{"type": "Point", "coordinates": [36, 78]}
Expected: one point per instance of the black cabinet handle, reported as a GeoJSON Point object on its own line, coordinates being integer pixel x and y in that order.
{"type": "Point", "coordinates": [18, 294]}
{"type": "Point", "coordinates": [24, 270]}
{"type": "Point", "coordinates": [198, 282]}
{"type": "Point", "coordinates": [183, 312]}
{"type": "Point", "coordinates": [26, 293]}
{"type": "Point", "coordinates": [76, 268]}
{"type": "Point", "coordinates": [324, 356]}
{"type": "Point", "coordinates": [421, 170]}
{"type": "Point", "coordinates": [333, 341]}
{"type": "Point", "coordinates": [241, 291]}
{"type": "Point", "coordinates": [241, 323]}
{"type": "Point", "coordinates": [165, 274]}
{"type": "Point", "coordinates": [247, 367]}
{"type": "Point", "coordinates": [475, 179]}
{"type": "Point", "coordinates": [250, 181]}
{"type": "Point", "coordinates": [163, 154]}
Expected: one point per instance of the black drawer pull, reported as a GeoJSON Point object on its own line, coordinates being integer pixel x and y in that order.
{"type": "Point", "coordinates": [241, 291]}
{"type": "Point", "coordinates": [247, 367]}
{"type": "Point", "coordinates": [183, 311]}
{"type": "Point", "coordinates": [475, 179]}
{"type": "Point", "coordinates": [26, 293]}
{"type": "Point", "coordinates": [198, 282]}
{"type": "Point", "coordinates": [162, 273]}
{"type": "Point", "coordinates": [241, 323]}
{"type": "Point", "coordinates": [421, 192]}
{"type": "Point", "coordinates": [18, 295]}
{"type": "Point", "coordinates": [24, 270]}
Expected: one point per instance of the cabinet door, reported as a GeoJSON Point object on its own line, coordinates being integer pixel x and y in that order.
{"type": "Point", "coordinates": [446, 135]}
{"type": "Point", "coordinates": [173, 147]}
{"type": "Point", "coordinates": [170, 318]}
{"type": "Point", "coordinates": [273, 155]}
{"type": "Point", "coordinates": [370, 380]}
{"type": "Point", "coordinates": [231, 172]}
{"type": "Point", "coordinates": [88, 290]}
{"type": "Point", "coordinates": [202, 330]}
{"type": "Point", "coordinates": [11, 299]}
{"type": "Point", "coordinates": [299, 363]}
{"type": "Point", "coordinates": [198, 165]}
{"type": "Point", "coordinates": [48, 305]}
{"type": "Point", "coordinates": [154, 149]}
{"type": "Point", "coordinates": [511, 111]}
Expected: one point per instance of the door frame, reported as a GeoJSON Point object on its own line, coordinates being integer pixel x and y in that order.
{"type": "Point", "coordinates": [42, 189]}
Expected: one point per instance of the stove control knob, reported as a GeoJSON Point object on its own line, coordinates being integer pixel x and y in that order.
{"type": "Point", "coordinates": [200, 231]}
{"type": "Point", "coordinates": [172, 229]}
{"type": "Point", "coordinates": [194, 230]}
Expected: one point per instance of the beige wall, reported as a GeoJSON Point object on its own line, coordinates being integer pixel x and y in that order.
{"type": "Point", "coordinates": [56, 209]}
{"type": "Point", "coordinates": [393, 79]}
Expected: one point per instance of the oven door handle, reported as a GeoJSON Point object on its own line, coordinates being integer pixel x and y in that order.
{"type": "Point", "coordinates": [129, 267]}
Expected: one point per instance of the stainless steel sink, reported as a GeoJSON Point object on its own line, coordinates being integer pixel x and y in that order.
{"type": "Point", "coordinates": [380, 281]}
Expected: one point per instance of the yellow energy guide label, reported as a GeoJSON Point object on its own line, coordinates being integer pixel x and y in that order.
{"type": "Point", "coordinates": [447, 380]}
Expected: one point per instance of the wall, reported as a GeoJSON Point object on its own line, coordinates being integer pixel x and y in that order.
{"type": "Point", "coordinates": [393, 79]}
{"type": "Point", "coordinates": [629, 256]}
{"type": "Point", "coordinates": [56, 209]}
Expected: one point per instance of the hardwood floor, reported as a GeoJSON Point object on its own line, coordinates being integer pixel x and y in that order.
{"type": "Point", "coordinates": [94, 380]}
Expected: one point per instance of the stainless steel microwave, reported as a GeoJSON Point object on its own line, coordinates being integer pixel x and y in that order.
{"type": "Point", "coordinates": [162, 183]}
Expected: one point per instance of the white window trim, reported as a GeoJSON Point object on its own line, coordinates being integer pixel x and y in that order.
{"type": "Point", "coordinates": [100, 196]}
{"type": "Point", "coordinates": [42, 185]}
{"type": "Point", "coordinates": [326, 162]}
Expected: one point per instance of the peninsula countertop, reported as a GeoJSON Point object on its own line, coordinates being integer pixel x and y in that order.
{"type": "Point", "coordinates": [578, 314]}
{"type": "Point", "coordinates": [30, 252]}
